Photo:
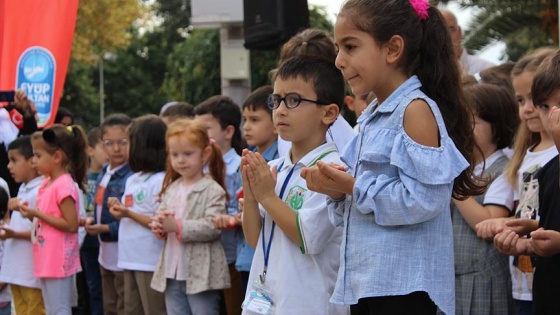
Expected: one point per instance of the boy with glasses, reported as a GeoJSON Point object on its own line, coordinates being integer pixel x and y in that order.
{"type": "Point", "coordinates": [297, 248]}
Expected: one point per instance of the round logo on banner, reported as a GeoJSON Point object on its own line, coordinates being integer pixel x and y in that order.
{"type": "Point", "coordinates": [36, 75]}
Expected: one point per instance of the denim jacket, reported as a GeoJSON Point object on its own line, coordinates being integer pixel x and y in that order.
{"type": "Point", "coordinates": [115, 188]}
{"type": "Point", "coordinates": [398, 236]}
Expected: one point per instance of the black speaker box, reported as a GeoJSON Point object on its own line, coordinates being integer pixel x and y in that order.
{"type": "Point", "coordinates": [270, 23]}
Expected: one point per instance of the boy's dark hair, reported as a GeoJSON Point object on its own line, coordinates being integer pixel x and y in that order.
{"type": "Point", "coordinates": [23, 146]}
{"type": "Point", "coordinates": [114, 120]}
{"type": "Point", "coordinates": [227, 113]}
{"type": "Point", "coordinates": [94, 136]}
{"type": "Point", "coordinates": [258, 99]}
{"type": "Point", "coordinates": [147, 144]}
{"type": "Point", "coordinates": [497, 106]}
{"type": "Point", "coordinates": [325, 77]}
{"type": "Point", "coordinates": [4, 198]}
{"type": "Point", "coordinates": [428, 54]}
{"type": "Point", "coordinates": [547, 79]}
{"type": "Point", "coordinates": [179, 109]}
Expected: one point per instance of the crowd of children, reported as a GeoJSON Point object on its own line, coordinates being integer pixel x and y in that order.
{"type": "Point", "coordinates": [415, 211]}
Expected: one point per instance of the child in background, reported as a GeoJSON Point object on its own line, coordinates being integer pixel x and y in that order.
{"type": "Point", "coordinates": [482, 279]}
{"type": "Point", "coordinates": [261, 135]}
{"type": "Point", "coordinates": [5, 295]}
{"type": "Point", "coordinates": [89, 251]}
{"type": "Point", "coordinates": [546, 282]}
{"type": "Point", "coordinates": [222, 118]}
{"type": "Point", "coordinates": [413, 153]}
{"type": "Point", "coordinates": [519, 185]}
{"type": "Point", "coordinates": [138, 248]}
{"type": "Point", "coordinates": [56, 256]}
{"type": "Point", "coordinates": [176, 110]}
{"type": "Point", "coordinates": [192, 268]}
{"type": "Point", "coordinates": [317, 43]}
{"type": "Point", "coordinates": [25, 287]}
{"type": "Point", "coordinates": [111, 183]}
{"type": "Point", "coordinates": [358, 103]}
{"type": "Point", "coordinates": [296, 247]}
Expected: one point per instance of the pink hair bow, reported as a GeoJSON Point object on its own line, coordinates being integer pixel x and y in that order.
{"type": "Point", "coordinates": [421, 7]}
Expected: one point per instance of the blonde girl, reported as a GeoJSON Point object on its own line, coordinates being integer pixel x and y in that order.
{"type": "Point", "coordinates": [192, 268]}
{"type": "Point", "coordinates": [60, 155]}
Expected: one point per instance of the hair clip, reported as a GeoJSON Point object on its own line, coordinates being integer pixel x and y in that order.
{"type": "Point", "coordinates": [421, 8]}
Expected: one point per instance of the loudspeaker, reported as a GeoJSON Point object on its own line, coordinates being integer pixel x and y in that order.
{"type": "Point", "coordinates": [270, 23]}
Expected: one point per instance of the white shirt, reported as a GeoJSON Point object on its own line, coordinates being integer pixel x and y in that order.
{"type": "Point", "coordinates": [108, 251]}
{"type": "Point", "coordinates": [139, 249]}
{"type": "Point", "coordinates": [21, 251]}
{"type": "Point", "coordinates": [301, 280]}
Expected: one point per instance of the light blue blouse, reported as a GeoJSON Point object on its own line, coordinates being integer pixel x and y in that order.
{"type": "Point", "coordinates": [398, 236]}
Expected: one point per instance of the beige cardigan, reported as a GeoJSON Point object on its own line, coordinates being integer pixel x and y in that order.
{"type": "Point", "coordinates": [206, 267]}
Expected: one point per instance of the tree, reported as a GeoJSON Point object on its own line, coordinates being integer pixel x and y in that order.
{"type": "Point", "coordinates": [522, 24]}
{"type": "Point", "coordinates": [194, 67]}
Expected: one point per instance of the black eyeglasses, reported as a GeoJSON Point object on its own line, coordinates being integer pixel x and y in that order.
{"type": "Point", "coordinates": [291, 100]}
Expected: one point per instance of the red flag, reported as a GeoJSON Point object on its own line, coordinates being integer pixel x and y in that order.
{"type": "Point", "coordinates": [35, 43]}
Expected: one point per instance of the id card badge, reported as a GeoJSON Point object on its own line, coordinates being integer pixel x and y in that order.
{"type": "Point", "coordinates": [99, 195]}
{"type": "Point", "coordinates": [259, 301]}
{"type": "Point", "coordinates": [128, 201]}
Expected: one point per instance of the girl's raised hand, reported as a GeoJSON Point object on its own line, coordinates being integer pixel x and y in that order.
{"type": "Point", "coordinates": [119, 211]}
{"type": "Point", "coordinates": [113, 201]}
{"type": "Point", "coordinates": [13, 204]}
{"type": "Point", "coordinates": [321, 181]}
{"type": "Point", "coordinates": [27, 212]}
{"type": "Point", "coordinates": [168, 222]}
{"type": "Point", "coordinates": [522, 226]}
{"type": "Point", "coordinates": [96, 229]}
{"type": "Point", "coordinates": [487, 229]}
{"type": "Point", "coordinates": [545, 243]}
{"type": "Point", "coordinates": [224, 222]}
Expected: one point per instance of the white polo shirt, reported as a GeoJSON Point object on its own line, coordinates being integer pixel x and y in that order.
{"type": "Point", "coordinates": [139, 249]}
{"type": "Point", "coordinates": [17, 266]}
{"type": "Point", "coordinates": [301, 280]}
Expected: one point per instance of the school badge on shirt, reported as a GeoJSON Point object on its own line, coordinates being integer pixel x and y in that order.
{"type": "Point", "coordinates": [295, 197]}
{"type": "Point", "coordinates": [141, 195]}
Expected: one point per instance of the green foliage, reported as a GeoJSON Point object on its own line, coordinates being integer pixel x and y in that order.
{"type": "Point", "coordinates": [157, 64]}
{"type": "Point", "coordinates": [521, 24]}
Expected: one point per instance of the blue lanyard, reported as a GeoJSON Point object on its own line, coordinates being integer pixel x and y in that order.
{"type": "Point", "coordinates": [266, 250]}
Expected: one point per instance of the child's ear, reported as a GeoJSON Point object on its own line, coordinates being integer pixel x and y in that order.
{"type": "Point", "coordinates": [206, 153]}
{"type": "Point", "coordinates": [395, 49]}
{"type": "Point", "coordinates": [349, 100]}
{"type": "Point", "coordinates": [230, 130]}
{"type": "Point", "coordinates": [58, 155]}
{"type": "Point", "coordinates": [90, 151]}
{"type": "Point", "coordinates": [330, 113]}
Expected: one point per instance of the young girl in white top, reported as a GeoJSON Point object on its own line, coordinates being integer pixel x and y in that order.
{"type": "Point", "coordinates": [138, 247]}
{"type": "Point", "coordinates": [192, 268]}
{"type": "Point", "coordinates": [60, 155]}
{"type": "Point", "coordinates": [518, 187]}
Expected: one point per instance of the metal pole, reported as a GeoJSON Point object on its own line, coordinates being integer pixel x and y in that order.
{"type": "Point", "coordinates": [101, 91]}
